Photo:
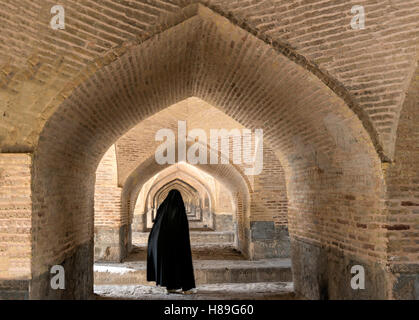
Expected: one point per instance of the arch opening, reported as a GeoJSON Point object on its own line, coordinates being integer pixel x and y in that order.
{"type": "Point", "coordinates": [333, 172]}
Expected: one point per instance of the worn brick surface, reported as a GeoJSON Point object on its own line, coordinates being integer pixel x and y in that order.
{"type": "Point", "coordinates": [15, 216]}
{"type": "Point", "coordinates": [338, 108]}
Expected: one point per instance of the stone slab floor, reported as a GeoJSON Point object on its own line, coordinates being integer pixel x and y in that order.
{"type": "Point", "coordinates": [221, 273]}
{"type": "Point", "coordinates": [219, 291]}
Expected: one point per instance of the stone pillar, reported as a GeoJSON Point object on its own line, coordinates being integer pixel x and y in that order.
{"type": "Point", "coordinates": [322, 273]}
{"type": "Point", "coordinates": [112, 243]}
{"type": "Point", "coordinates": [269, 240]}
{"type": "Point", "coordinates": [112, 227]}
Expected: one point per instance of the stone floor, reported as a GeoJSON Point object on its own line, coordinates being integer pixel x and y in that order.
{"type": "Point", "coordinates": [221, 273]}
{"type": "Point", "coordinates": [213, 251]}
{"type": "Point", "coordinates": [221, 291]}
{"type": "Point", "coordinates": [197, 237]}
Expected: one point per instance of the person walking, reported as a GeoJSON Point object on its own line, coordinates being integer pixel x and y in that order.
{"type": "Point", "coordinates": [169, 255]}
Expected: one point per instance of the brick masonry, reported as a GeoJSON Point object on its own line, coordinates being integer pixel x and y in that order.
{"type": "Point", "coordinates": [338, 108]}
{"type": "Point", "coordinates": [403, 200]}
{"type": "Point", "coordinates": [15, 216]}
{"type": "Point", "coordinates": [15, 225]}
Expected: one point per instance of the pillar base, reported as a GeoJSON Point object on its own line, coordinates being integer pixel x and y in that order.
{"type": "Point", "coordinates": [78, 268]}
{"type": "Point", "coordinates": [269, 241]}
{"type": "Point", "coordinates": [14, 289]}
{"type": "Point", "coordinates": [112, 243]}
{"type": "Point", "coordinates": [406, 281]}
{"type": "Point", "coordinates": [322, 273]}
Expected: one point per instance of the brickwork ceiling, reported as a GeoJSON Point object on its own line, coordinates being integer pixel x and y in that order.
{"type": "Point", "coordinates": [338, 108]}
{"type": "Point", "coordinates": [369, 69]}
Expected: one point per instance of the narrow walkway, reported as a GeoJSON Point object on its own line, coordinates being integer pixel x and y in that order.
{"type": "Point", "coordinates": [221, 272]}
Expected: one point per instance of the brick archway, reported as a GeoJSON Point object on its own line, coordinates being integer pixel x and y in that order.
{"type": "Point", "coordinates": [158, 192]}
{"type": "Point", "coordinates": [329, 157]}
{"type": "Point", "coordinates": [229, 175]}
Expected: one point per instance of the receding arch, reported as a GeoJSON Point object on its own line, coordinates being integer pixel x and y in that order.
{"type": "Point", "coordinates": [192, 188]}
{"type": "Point", "coordinates": [173, 180]}
{"type": "Point", "coordinates": [227, 174]}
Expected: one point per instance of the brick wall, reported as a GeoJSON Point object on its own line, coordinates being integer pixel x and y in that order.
{"type": "Point", "coordinates": [107, 193]}
{"type": "Point", "coordinates": [15, 216]}
{"type": "Point", "coordinates": [403, 183]}
{"type": "Point", "coordinates": [328, 98]}
{"type": "Point", "coordinates": [403, 200]}
{"type": "Point", "coordinates": [269, 196]}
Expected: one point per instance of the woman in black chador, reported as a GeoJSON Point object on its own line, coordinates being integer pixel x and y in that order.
{"type": "Point", "coordinates": [169, 256]}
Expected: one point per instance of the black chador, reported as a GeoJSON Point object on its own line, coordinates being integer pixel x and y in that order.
{"type": "Point", "coordinates": [169, 256]}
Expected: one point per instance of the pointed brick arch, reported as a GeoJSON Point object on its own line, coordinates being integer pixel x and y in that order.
{"type": "Point", "coordinates": [198, 11]}
{"type": "Point", "coordinates": [229, 175]}
{"type": "Point", "coordinates": [328, 153]}
{"type": "Point", "coordinates": [186, 185]}
{"type": "Point", "coordinates": [168, 182]}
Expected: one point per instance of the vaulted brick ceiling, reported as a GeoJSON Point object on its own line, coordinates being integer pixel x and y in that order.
{"type": "Point", "coordinates": [139, 143]}
{"type": "Point", "coordinates": [257, 72]}
{"type": "Point", "coordinates": [372, 67]}
{"type": "Point", "coordinates": [208, 57]}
